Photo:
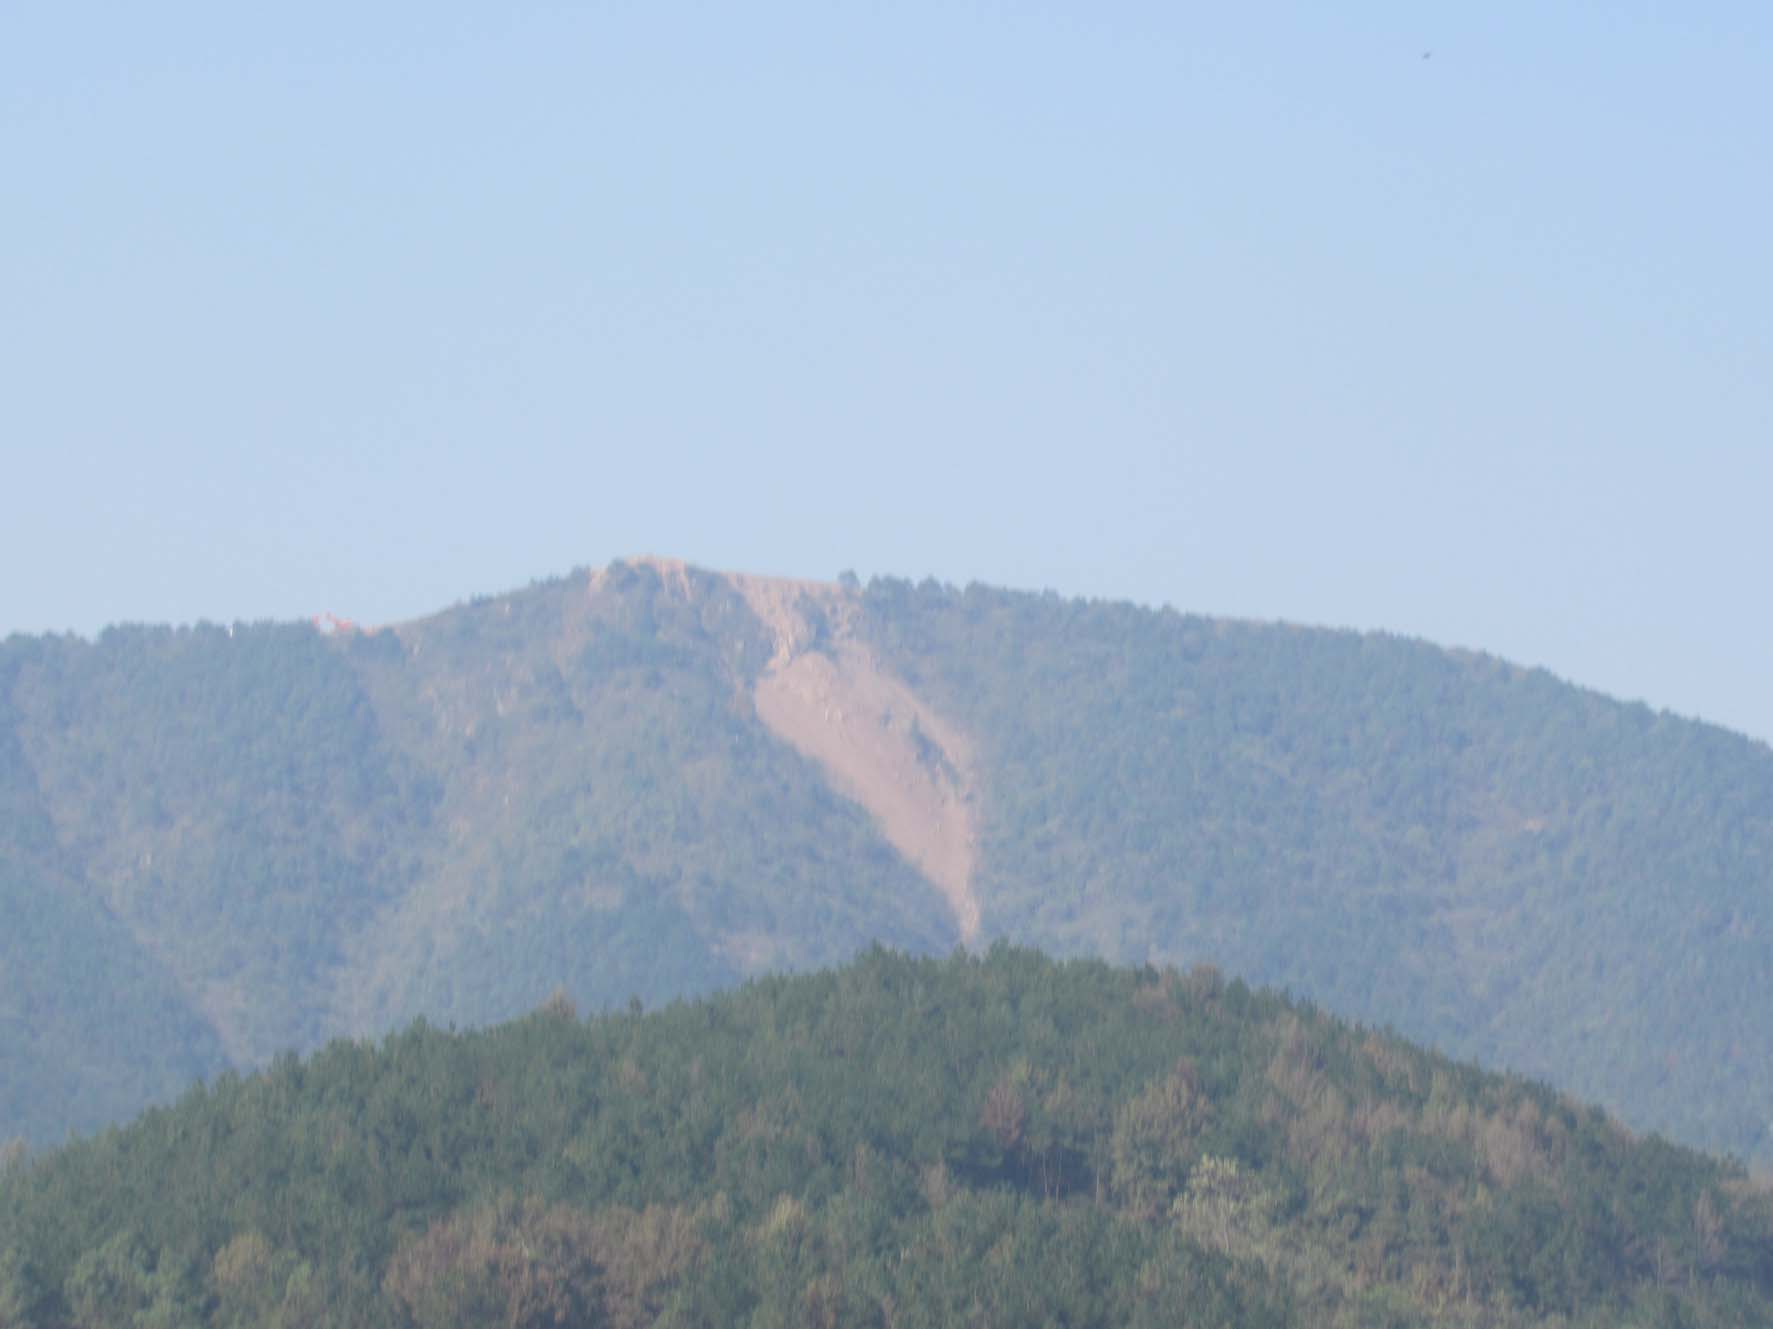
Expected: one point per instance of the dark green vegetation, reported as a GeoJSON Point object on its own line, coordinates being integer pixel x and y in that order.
{"type": "Point", "coordinates": [219, 844]}
{"type": "Point", "coordinates": [996, 1141]}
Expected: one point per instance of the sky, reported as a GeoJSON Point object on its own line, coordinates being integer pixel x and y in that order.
{"type": "Point", "coordinates": [1454, 321]}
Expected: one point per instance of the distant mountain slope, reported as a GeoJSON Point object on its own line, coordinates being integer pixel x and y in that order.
{"type": "Point", "coordinates": [1482, 856]}
{"type": "Point", "coordinates": [612, 816]}
{"type": "Point", "coordinates": [652, 780]}
{"type": "Point", "coordinates": [995, 1141]}
{"type": "Point", "coordinates": [317, 835]}
{"type": "Point", "coordinates": [87, 1016]}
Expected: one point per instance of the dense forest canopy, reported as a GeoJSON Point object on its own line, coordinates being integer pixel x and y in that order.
{"type": "Point", "coordinates": [226, 843]}
{"type": "Point", "coordinates": [995, 1140]}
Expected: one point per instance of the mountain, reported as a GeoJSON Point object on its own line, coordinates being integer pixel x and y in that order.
{"type": "Point", "coordinates": [1000, 1140]}
{"type": "Point", "coordinates": [649, 781]}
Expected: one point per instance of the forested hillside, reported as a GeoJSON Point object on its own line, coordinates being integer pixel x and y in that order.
{"type": "Point", "coordinates": [648, 781]}
{"type": "Point", "coordinates": [995, 1141]}
{"type": "Point", "coordinates": [298, 835]}
{"type": "Point", "coordinates": [1482, 856]}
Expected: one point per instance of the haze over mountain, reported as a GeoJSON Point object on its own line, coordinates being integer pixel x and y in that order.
{"type": "Point", "coordinates": [651, 780]}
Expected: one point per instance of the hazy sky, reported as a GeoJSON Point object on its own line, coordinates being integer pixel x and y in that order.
{"type": "Point", "coordinates": [1455, 320]}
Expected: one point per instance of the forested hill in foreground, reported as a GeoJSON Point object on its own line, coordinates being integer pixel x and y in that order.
{"type": "Point", "coordinates": [995, 1141]}
{"type": "Point", "coordinates": [649, 780]}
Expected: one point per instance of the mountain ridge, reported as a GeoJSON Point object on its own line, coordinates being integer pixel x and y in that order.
{"type": "Point", "coordinates": [580, 785]}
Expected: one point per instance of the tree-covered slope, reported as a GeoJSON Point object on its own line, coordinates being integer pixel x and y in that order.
{"type": "Point", "coordinates": [997, 1141]}
{"type": "Point", "coordinates": [299, 836]}
{"type": "Point", "coordinates": [613, 817]}
{"type": "Point", "coordinates": [652, 781]}
{"type": "Point", "coordinates": [1485, 857]}
{"type": "Point", "coordinates": [87, 1016]}
{"type": "Point", "coordinates": [228, 798]}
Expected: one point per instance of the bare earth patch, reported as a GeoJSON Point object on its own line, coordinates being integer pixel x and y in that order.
{"type": "Point", "coordinates": [825, 695]}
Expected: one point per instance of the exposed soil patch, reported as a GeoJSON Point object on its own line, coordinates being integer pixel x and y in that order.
{"type": "Point", "coordinates": [825, 695]}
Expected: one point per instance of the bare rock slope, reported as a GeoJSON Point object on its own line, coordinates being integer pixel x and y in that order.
{"type": "Point", "coordinates": [825, 694]}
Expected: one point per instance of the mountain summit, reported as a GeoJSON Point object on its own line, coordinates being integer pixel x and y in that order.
{"type": "Point", "coordinates": [651, 780]}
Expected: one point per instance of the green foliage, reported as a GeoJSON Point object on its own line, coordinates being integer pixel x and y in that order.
{"type": "Point", "coordinates": [91, 1026]}
{"type": "Point", "coordinates": [1480, 856]}
{"type": "Point", "coordinates": [222, 844]}
{"type": "Point", "coordinates": [225, 796]}
{"type": "Point", "coordinates": [1157, 1140]}
{"type": "Point", "coordinates": [227, 843]}
{"type": "Point", "coordinates": [521, 1264]}
{"type": "Point", "coordinates": [1000, 1140]}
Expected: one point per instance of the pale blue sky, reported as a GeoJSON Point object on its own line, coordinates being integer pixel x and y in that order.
{"type": "Point", "coordinates": [1249, 309]}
